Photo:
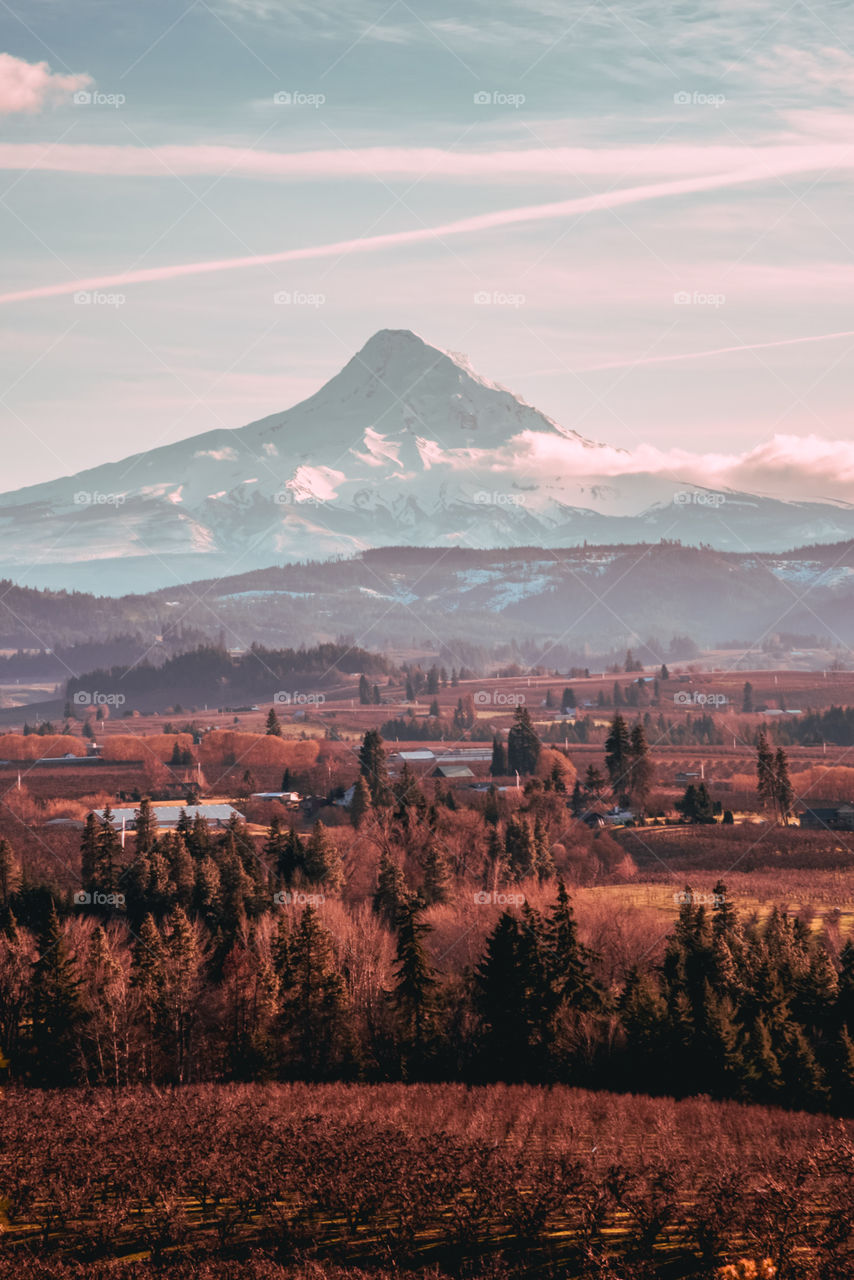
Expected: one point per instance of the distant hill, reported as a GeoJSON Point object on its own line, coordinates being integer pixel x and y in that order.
{"type": "Point", "coordinates": [593, 598]}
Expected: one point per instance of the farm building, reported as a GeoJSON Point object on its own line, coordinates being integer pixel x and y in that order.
{"type": "Point", "coordinates": [452, 771]}
{"type": "Point", "coordinates": [282, 797]}
{"type": "Point", "coordinates": [834, 818]}
{"type": "Point", "coordinates": [167, 816]}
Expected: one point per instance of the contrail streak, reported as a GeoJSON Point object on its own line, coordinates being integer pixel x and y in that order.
{"type": "Point", "coordinates": [698, 355]}
{"type": "Point", "coordinates": [463, 226]}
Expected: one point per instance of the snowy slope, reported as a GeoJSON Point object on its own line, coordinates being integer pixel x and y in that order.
{"type": "Point", "coordinates": [407, 445]}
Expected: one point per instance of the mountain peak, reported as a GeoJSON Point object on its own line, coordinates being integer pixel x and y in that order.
{"type": "Point", "coordinates": [412, 387]}
{"type": "Point", "coordinates": [402, 347]}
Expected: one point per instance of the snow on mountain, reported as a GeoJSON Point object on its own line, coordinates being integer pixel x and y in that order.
{"type": "Point", "coordinates": [407, 445]}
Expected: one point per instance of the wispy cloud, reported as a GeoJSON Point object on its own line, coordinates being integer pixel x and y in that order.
{"type": "Point", "coordinates": [785, 466]}
{"type": "Point", "coordinates": [625, 162]}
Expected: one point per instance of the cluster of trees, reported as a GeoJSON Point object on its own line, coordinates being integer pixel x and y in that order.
{"type": "Point", "coordinates": [300, 990]}
{"type": "Point", "coordinates": [747, 1011]}
{"type": "Point", "coordinates": [220, 877]}
{"type": "Point", "coordinates": [689, 730]}
{"type": "Point", "coordinates": [773, 785]}
{"type": "Point", "coordinates": [210, 670]}
{"type": "Point", "coordinates": [629, 764]}
{"type": "Point", "coordinates": [835, 725]}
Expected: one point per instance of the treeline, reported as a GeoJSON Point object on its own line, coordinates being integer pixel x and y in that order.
{"type": "Point", "coordinates": [202, 960]}
{"type": "Point", "coordinates": [212, 671]}
{"type": "Point", "coordinates": [835, 725]}
{"type": "Point", "coordinates": [119, 650]}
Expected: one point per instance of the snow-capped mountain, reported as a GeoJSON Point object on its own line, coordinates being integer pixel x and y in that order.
{"type": "Point", "coordinates": [407, 445]}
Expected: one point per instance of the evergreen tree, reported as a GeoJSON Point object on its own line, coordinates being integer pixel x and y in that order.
{"type": "Point", "coordinates": [360, 805]}
{"type": "Point", "coordinates": [179, 991]}
{"type": "Point", "coordinates": [747, 698]}
{"type": "Point", "coordinates": [436, 876]}
{"type": "Point", "coordinates": [89, 853]}
{"type": "Point", "coordinates": [763, 1076]}
{"type": "Point", "coordinates": [315, 1005]}
{"type": "Point", "coordinates": [641, 770]}
{"type": "Point", "coordinates": [766, 782]}
{"type": "Point", "coordinates": [594, 783]}
{"type": "Point", "coordinates": [408, 795]}
{"type": "Point", "coordinates": [523, 745]}
{"type": "Point", "coordinates": [498, 767]}
{"type": "Point", "coordinates": [322, 864]}
{"type": "Point", "coordinates": [543, 861]}
{"type": "Point", "coordinates": [717, 1050]}
{"type": "Point", "coordinates": [145, 826]}
{"type": "Point", "coordinates": [618, 757]}
{"type": "Point", "coordinates": [391, 893]}
{"type": "Point", "coordinates": [568, 961]}
{"type": "Point", "coordinates": [414, 987]}
{"type": "Point", "coordinates": [373, 768]}
{"type": "Point", "coordinates": [108, 854]}
{"type": "Point", "coordinates": [274, 726]}
{"type": "Point", "coordinates": [56, 1008]}
{"type": "Point", "coordinates": [182, 871]}
{"type": "Point", "coordinates": [783, 791]}
{"type": "Point", "coordinates": [520, 850]}
{"type": "Point", "coordinates": [10, 872]}
{"type": "Point", "coordinates": [696, 805]}
{"type": "Point", "coordinates": [501, 995]}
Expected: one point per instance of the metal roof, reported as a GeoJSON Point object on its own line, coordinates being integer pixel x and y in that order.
{"type": "Point", "coordinates": [168, 815]}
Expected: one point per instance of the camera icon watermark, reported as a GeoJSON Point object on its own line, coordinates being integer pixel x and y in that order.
{"type": "Point", "coordinates": [83, 698]}
{"type": "Point", "coordinates": [695, 99]}
{"type": "Point", "coordinates": [296, 98]}
{"type": "Point", "coordinates": [93, 98]}
{"type": "Point", "coordinates": [694, 698]}
{"type": "Point", "coordinates": [696, 299]}
{"type": "Point", "coordinates": [483, 298]}
{"type": "Point", "coordinates": [286, 698]}
{"type": "Point", "coordinates": [293, 298]}
{"type": "Point", "coordinates": [87, 298]}
{"type": "Point", "coordinates": [484, 498]}
{"type": "Point", "coordinates": [497, 98]}
{"type": "Point", "coordinates": [297, 898]}
{"type": "Point", "coordinates": [689, 898]}
{"type": "Point", "coordinates": [698, 498]}
{"type": "Point", "coordinates": [87, 498]}
{"type": "Point", "coordinates": [498, 898]}
{"type": "Point", "coordinates": [497, 698]}
{"type": "Point", "coordinates": [289, 498]}
{"type": "Point", "coordinates": [96, 899]}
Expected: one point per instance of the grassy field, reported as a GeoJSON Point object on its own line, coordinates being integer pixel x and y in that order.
{"type": "Point", "coordinates": [821, 898]}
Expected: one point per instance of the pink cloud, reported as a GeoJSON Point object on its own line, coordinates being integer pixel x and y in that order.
{"type": "Point", "coordinates": [784, 466]}
{"type": "Point", "coordinates": [29, 86]}
{"type": "Point", "coordinates": [424, 162]}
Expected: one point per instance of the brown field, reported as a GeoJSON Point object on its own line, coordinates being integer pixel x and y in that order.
{"type": "Point", "coordinates": [499, 1181]}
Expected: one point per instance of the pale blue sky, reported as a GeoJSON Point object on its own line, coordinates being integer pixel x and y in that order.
{"type": "Point", "coordinates": [767, 90]}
